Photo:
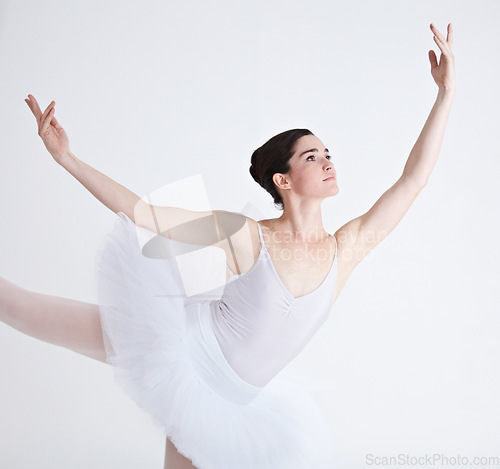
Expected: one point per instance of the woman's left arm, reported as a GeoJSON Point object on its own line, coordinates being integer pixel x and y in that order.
{"type": "Point", "coordinates": [425, 152]}
{"type": "Point", "coordinates": [361, 235]}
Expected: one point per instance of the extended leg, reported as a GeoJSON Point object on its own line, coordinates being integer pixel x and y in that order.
{"type": "Point", "coordinates": [175, 460]}
{"type": "Point", "coordinates": [61, 321]}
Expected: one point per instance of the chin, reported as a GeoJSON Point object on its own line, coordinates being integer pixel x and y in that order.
{"type": "Point", "coordinates": [335, 190]}
{"type": "Point", "coordinates": [332, 194]}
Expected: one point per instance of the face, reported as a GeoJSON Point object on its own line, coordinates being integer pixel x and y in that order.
{"type": "Point", "coordinates": [311, 165]}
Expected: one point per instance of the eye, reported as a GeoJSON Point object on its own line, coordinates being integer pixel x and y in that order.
{"type": "Point", "coordinates": [312, 156]}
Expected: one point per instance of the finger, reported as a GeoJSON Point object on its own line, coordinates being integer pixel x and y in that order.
{"type": "Point", "coordinates": [436, 32]}
{"type": "Point", "coordinates": [46, 112]}
{"type": "Point", "coordinates": [449, 37]}
{"type": "Point", "coordinates": [433, 59]}
{"type": "Point", "coordinates": [35, 107]}
{"type": "Point", "coordinates": [439, 36]}
{"type": "Point", "coordinates": [442, 46]}
{"type": "Point", "coordinates": [28, 102]}
{"type": "Point", "coordinates": [55, 123]}
{"type": "Point", "coordinates": [49, 106]}
{"type": "Point", "coordinates": [35, 112]}
{"type": "Point", "coordinates": [46, 121]}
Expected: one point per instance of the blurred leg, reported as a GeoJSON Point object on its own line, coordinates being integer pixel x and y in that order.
{"type": "Point", "coordinates": [175, 460]}
{"type": "Point", "coordinates": [61, 321]}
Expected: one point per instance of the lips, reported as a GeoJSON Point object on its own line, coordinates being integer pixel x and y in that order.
{"type": "Point", "coordinates": [327, 179]}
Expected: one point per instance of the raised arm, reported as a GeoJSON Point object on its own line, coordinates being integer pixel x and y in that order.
{"type": "Point", "coordinates": [116, 197]}
{"type": "Point", "coordinates": [359, 236]}
{"type": "Point", "coordinates": [202, 228]}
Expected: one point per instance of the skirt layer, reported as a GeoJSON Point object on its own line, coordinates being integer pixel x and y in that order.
{"type": "Point", "coordinates": [166, 357]}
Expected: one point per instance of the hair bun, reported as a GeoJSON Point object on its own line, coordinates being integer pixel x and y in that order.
{"type": "Point", "coordinates": [274, 157]}
{"type": "Point", "coordinates": [253, 172]}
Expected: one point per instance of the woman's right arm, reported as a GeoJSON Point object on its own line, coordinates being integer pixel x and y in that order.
{"type": "Point", "coordinates": [203, 228]}
{"type": "Point", "coordinates": [116, 197]}
{"type": "Point", "coordinates": [209, 228]}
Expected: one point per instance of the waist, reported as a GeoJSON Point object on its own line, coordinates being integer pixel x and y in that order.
{"type": "Point", "coordinates": [210, 363]}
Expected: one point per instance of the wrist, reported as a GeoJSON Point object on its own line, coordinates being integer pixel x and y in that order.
{"type": "Point", "coordinates": [66, 159]}
{"type": "Point", "coordinates": [447, 92]}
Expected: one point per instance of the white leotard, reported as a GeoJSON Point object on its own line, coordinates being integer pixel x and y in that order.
{"type": "Point", "coordinates": [260, 326]}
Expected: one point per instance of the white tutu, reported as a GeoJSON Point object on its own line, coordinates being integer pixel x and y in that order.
{"type": "Point", "coordinates": [167, 359]}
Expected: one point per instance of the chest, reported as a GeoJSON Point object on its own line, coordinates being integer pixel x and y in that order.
{"type": "Point", "coordinates": [301, 267]}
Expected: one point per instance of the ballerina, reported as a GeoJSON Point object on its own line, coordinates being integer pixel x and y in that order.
{"type": "Point", "coordinates": [210, 371]}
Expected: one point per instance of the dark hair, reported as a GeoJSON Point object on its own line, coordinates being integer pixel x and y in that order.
{"type": "Point", "coordinates": [274, 157]}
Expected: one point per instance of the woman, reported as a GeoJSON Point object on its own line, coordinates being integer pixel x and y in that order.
{"type": "Point", "coordinates": [210, 371]}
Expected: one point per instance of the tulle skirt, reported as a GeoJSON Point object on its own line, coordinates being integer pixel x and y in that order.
{"type": "Point", "coordinates": [165, 356]}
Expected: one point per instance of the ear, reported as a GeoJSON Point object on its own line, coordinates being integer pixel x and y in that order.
{"type": "Point", "coordinates": [281, 180]}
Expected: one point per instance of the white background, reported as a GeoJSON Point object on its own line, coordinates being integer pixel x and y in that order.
{"type": "Point", "coordinates": [153, 92]}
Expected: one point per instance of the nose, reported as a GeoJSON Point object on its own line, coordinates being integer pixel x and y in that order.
{"type": "Point", "coordinates": [328, 164]}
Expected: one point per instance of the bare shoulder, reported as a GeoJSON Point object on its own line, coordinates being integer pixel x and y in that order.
{"type": "Point", "coordinates": [348, 252]}
{"type": "Point", "coordinates": [242, 245]}
{"type": "Point", "coordinates": [358, 237]}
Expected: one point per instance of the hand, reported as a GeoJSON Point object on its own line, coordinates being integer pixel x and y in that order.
{"type": "Point", "coordinates": [444, 72]}
{"type": "Point", "coordinates": [53, 135]}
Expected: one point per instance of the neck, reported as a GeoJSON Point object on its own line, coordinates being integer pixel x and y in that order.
{"type": "Point", "coordinates": [302, 223]}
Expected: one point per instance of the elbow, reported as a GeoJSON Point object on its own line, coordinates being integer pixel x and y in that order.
{"type": "Point", "coordinates": [418, 182]}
